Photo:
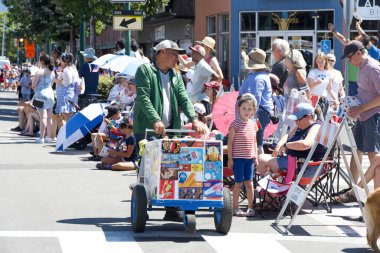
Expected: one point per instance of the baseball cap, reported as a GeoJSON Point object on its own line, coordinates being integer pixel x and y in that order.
{"type": "Point", "coordinates": [199, 49]}
{"type": "Point", "coordinates": [199, 108]}
{"type": "Point", "coordinates": [301, 110]}
{"type": "Point", "coordinates": [352, 47]}
{"type": "Point", "coordinates": [112, 110]}
{"type": "Point", "coordinates": [169, 44]}
{"type": "Point", "coordinates": [213, 84]}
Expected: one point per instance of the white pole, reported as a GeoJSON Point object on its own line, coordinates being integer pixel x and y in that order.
{"type": "Point", "coordinates": [3, 42]}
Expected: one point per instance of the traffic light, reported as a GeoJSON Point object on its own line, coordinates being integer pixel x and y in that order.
{"type": "Point", "coordinates": [21, 42]}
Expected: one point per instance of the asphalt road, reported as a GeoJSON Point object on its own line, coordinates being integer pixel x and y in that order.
{"type": "Point", "coordinates": [60, 203]}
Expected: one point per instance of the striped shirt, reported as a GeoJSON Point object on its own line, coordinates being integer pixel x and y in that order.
{"type": "Point", "coordinates": [244, 144]}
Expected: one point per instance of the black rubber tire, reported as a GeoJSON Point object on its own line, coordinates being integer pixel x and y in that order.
{"type": "Point", "coordinates": [190, 223]}
{"type": "Point", "coordinates": [138, 209]}
{"type": "Point", "coordinates": [223, 219]}
{"type": "Point", "coordinates": [80, 144]}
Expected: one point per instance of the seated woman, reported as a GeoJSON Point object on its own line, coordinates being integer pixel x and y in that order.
{"type": "Point", "coordinates": [297, 143]}
{"type": "Point", "coordinates": [127, 157]}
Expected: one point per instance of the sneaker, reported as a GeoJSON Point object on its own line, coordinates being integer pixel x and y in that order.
{"type": "Point", "coordinates": [48, 140]}
{"type": "Point", "coordinates": [250, 213]}
{"type": "Point", "coordinates": [238, 212]}
{"type": "Point", "coordinates": [101, 166]}
{"type": "Point", "coordinates": [95, 158]}
{"type": "Point", "coordinates": [40, 141]}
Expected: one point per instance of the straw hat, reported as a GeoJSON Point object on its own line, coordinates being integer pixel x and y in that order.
{"type": "Point", "coordinates": [208, 42]}
{"type": "Point", "coordinates": [255, 59]}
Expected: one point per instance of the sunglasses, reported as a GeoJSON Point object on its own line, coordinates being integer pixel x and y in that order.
{"type": "Point", "coordinates": [331, 60]}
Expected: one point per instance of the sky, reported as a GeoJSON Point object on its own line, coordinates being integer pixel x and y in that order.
{"type": "Point", "coordinates": [3, 8]}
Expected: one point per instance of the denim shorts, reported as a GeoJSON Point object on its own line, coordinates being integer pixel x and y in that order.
{"type": "Point", "coordinates": [264, 119]}
{"type": "Point", "coordinates": [243, 169]}
{"type": "Point", "coordinates": [367, 134]}
{"type": "Point", "coordinates": [282, 162]}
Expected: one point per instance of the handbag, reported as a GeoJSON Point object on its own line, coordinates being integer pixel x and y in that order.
{"type": "Point", "coordinates": [80, 86]}
{"type": "Point", "coordinates": [38, 103]}
{"type": "Point", "coordinates": [274, 119]}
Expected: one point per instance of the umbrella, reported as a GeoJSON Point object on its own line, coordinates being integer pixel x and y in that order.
{"type": "Point", "coordinates": [124, 64]}
{"type": "Point", "coordinates": [79, 125]}
{"type": "Point", "coordinates": [104, 59]}
{"type": "Point", "coordinates": [223, 112]}
{"type": "Point", "coordinates": [270, 129]}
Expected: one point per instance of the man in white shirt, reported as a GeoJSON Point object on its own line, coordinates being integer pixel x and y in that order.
{"type": "Point", "coordinates": [203, 73]}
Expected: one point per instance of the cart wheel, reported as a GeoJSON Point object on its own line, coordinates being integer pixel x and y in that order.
{"type": "Point", "coordinates": [138, 209]}
{"type": "Point", "coordinates": [189, 222]}
{"type": "Point", "coordinates": [223, 216]}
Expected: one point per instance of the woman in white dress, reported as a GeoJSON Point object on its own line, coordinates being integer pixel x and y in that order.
{"type": "Point", "coordinates": [320, 83]}
{"type": "Point", "coordinates": [337, 78]}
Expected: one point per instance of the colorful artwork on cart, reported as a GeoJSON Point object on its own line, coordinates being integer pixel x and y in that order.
{"type": "Point", "coordinates": [213, 189]}
{"type": "Point", "coordinates": [213, 152]}
{"type": "Point", "coordinates": [167, 189]}
{"type": "Point", "coordinates": [192, 144]}
{"type": "Point", "coordinates": [169, 170]}
{"type": "Point", "coordinates": [191, 156]}
{"type": "Point", "coordinates": [190, 193]}
{"type": "Point", "coordinates": [213, 171]}
{"type": "Point", "coordinates": [171, 146]}
{"type": "Point", "coordinates": [190, 179]}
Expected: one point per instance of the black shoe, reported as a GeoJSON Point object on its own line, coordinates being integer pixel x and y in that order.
{"type": "Point", "coordinates": [91, 152]}
{"type": "Point", "coordinates": [172, 215]}
{"type": "Point", "coordinates": [16, 129]}
{"type": "Point", "coordinates": [101, 166]}
{"type": "Point", "coordinates": [95, 158]}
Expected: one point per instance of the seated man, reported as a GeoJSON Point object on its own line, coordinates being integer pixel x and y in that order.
{"type": "Point", "coordinates": [297, 143]}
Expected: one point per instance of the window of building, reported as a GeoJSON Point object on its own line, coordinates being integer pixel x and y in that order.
{"type": "Point", "coordinates": [211, 27]}
{"type": "Point", "coordinates": [292, 20]}
{"type": "Point", "coordinates": [248, 21]}
{"type": "Point", "coordinates": [224, 52]}
{"type": "Point", "coordinates": [324, 18]}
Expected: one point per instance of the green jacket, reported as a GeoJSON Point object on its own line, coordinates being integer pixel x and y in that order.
{"type": "Point", "coordinates": [149, 102]}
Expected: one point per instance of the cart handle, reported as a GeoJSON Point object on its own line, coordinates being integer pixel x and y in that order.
{"type": "Point", "coordinates": [169, 131]}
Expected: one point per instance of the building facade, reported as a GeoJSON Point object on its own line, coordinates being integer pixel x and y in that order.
{"type": "Point", "coordinates": [303, 23]}
{"type": "Point", "coordinates": [212, 18]}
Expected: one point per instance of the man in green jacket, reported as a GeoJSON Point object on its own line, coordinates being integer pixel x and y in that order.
{"type": "Point", "coordinates": [160, 96]}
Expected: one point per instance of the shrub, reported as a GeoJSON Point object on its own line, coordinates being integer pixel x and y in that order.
{"type": "Point", "coordinates": [105, 85]}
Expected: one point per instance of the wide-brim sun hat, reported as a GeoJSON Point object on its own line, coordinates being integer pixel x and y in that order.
{"type": "Point", "coordinates": [255, 60]}
{"type": "Point", "coordinates": [89, 53]}
{"type": "Point", "coordinates": [208, 42]}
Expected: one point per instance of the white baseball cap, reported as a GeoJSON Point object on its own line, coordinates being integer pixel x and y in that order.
{"type": "Point", "coordinates": [169, 44]}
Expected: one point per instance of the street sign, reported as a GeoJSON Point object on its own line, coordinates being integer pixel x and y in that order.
{"type": "Point", "coordinates": [326, 46]}
{"type": "Point", "coordinates": [126, 1]}
{"type": "Point", "coordinates": [127, 23]}
{"type": "Point", "coordinates": [367, 9]}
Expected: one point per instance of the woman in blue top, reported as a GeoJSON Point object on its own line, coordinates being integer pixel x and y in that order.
{"type": "Point", "coordinates": [44, 92]}
{"type": "Point", "coordinates": [259, 85]}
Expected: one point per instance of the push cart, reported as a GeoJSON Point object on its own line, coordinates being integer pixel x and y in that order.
{"type": "Point", "coordinates": [186, 174]}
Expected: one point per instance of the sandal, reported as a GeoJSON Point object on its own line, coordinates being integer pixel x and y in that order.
{"type": "Point", "coordinates": [238, 212]}
{"type": "Point", "coordinates": [250, 213]}
{"type": "Point", "coordinates": [347, 197]}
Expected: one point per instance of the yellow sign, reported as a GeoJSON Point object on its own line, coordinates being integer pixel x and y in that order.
{"type": "Point", "coordinates": [127, 22]}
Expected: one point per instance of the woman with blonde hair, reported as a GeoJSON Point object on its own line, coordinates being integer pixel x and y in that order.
{"type": "Point", "coordinates": [320, 83]}
{"type": "Point", "coordinates": [296, 79]}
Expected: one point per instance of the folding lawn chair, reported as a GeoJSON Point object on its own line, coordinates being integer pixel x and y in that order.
{"type": "Point", "coordinates": [328, 134]}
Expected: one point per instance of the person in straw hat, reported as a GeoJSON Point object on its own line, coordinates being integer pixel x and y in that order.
{"type": "Point", "coordinates": [259, 85]}
{"type": "Point", "coordinates": [209, 43]}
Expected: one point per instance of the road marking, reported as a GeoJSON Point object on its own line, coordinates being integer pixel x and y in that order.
{"type": "Point", "coordinates": [85, 241]}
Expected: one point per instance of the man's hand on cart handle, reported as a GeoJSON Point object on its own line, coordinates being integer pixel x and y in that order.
{"type": "Point", "coordinates": [198, 128]}
{"type": "Point", "coordinates": [159, 128]}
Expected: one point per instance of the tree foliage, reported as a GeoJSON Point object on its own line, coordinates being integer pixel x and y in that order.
{"type": "Point", "coordinates": [34, 18]}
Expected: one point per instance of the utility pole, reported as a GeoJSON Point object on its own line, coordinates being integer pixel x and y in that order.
{"type": "Point", "coordinates": [127, 38]}
{"type": "Point", "coordinates": [3, 40]}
